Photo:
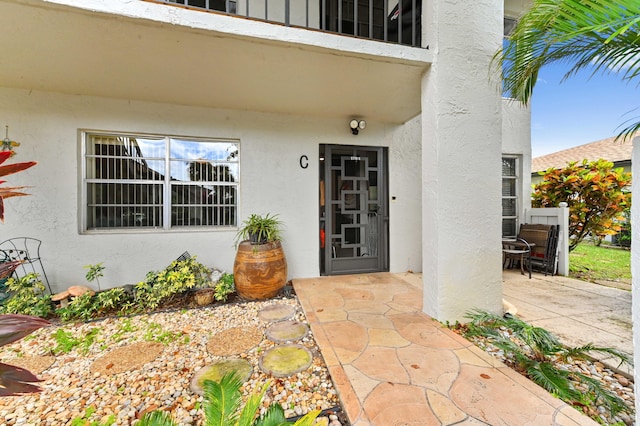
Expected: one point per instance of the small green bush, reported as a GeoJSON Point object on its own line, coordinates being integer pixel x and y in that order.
{"type": "Point", "coordinates": [224, 287]}
{"type": "Point", "coordinates": [27, 297]}
{"type": "Point", "coordinates": [179, 277]}
{"type": "Point", "coordinates": [80, 308]}
{"type": "Point", "coordinates": [112, 299]}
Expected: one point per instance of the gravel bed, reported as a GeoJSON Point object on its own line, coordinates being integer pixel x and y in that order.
{"type": "Point", "coordinates": [134, 381]}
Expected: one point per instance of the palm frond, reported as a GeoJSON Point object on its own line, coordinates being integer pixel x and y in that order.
{"type": "Point", "coordinates": [274, 416]}
{"type": "Point", "coordinates": [157, 418]}
{"type": "Point", "coordinates": [251, 407]}
{"type": "Point", "coordinates": [582, 352]}
{"type": "Point", "coordinates": [631, 130]}
{"type": "Point", "coordinates": [554, 380]}
{"type": "Point", "coordinates": [222, 400]}
{"type": "Point", "coordinates": [309, 419]}
{"type": "Point", "coordinates": [483, 323]}
{"type": "Point", "coordinates": [602, 36]}
{"type": "Point", "coordinates": [541, 341]}
{"type": "Point", "coordinates": [603, 396]}
{"type": "Point", "coordinates": [479, 316]}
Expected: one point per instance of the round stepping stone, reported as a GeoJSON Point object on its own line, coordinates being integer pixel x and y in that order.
{"type": "Point", "coordinates": [287, 331]}
{"type": "Point", "coordinates": [234, 341]}
{"type": "Point", "coordinates": [217, 370]}
{"type": "Point", "coordinates": [286, 360]}
{"type": "Point", "coordinates": [277, 312]}
{"type": "Point", "coordinates": [126, 358]}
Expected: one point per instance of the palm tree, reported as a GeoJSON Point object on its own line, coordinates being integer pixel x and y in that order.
{"type": "Point", "coordinates": [602, 36]}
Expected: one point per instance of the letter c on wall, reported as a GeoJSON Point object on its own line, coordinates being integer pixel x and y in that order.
{"type": "Point", "coordinates": [304, 161]}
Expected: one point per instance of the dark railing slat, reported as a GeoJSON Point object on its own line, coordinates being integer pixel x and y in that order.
{"type": "Point", "coordinates": [385, 27]}
{"type": "Point", "coordinates": [332, 20]}
{"type": "Point", "coordinates": [413, 22]}
{"type": "Point", "coordinates": [339, 16]}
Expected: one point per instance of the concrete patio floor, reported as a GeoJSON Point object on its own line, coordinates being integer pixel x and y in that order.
{"type": "Point", "coordinates": [578, 312]}
{"type": "Point", "coordinates": [393, 365]}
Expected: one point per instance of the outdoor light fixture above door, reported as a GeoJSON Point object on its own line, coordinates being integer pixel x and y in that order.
{"type": "Point", "coordinates": [357, 125]}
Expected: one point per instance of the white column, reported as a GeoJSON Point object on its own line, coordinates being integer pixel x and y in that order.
{"type": "Point", "coordinates": [635, 266]}
{"type": "Point", "coordinates": [461, 152]}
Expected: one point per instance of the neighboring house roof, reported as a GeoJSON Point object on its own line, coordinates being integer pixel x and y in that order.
{"type": "Point", "coordinates": [607, 149]}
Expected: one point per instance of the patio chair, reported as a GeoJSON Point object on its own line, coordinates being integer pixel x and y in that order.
{"type": "Point", "coordinates": [28, 251]}
{"type": "Point", "coordinates": [544, 239]}
{"type": "Point", "coordinates": [518, 250]}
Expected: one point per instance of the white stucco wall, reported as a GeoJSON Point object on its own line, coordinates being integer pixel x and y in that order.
{"type": "Point", "coordinates": [461, 150]}
{"type": "Point", "coordinates": [516, 140]}
{"type": "Point", "coordinates": [47, 125]}
{"type": "Point", "coordinates": [405, 201]}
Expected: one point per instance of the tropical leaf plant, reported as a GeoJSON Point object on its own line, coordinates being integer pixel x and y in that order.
{"type": "Point", "coordinates": [600, 36]}
{"type": "Point", "coordinates": [534, 352]}
{"type": "Point", "coordinates": [596, 193]}
{"type": "Point", "coordinates": [15, 380]}
{"type": "Point", "coordinates": [223, 407]}
{"type": "Point", "coordinates": [7, 268]}
{"type": "Point", "coordinates": [7, 192]}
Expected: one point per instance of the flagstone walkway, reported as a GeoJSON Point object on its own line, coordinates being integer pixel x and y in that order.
{"type": "Point", "coordinates": [394, 365]}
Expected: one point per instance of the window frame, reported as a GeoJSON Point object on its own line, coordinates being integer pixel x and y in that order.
{"type": "Point", "coordinates": [167, 183]}
{"type": "Point", "coordinates": [517, 178]}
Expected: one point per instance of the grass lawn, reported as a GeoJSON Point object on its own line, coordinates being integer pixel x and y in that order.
{"type": "Point", "coordinates": [590, 263]}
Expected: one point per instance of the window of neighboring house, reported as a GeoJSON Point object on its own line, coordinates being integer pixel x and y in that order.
{"type": "Point", "coordinates": [510, 183]}
{"type": "Point", "coordinates": [159, 182]}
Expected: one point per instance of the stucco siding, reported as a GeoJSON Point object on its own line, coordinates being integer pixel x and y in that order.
{"type": "Point", "coordinates": [516, 140]}
{"type": "Point", "coordinates": [48, 125]}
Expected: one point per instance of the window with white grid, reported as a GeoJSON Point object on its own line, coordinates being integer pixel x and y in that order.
{"type": "Point", "coordinates": [509, 197]}
{"type": "Point", "coordinates": [159, 182]}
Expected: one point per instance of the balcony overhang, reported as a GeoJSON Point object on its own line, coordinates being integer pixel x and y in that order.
{"type": "Point", "coordinates": [145, 51]}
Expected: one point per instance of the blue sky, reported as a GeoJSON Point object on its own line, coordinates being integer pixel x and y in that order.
{"type": "Point", "coordinates": [580, 110]}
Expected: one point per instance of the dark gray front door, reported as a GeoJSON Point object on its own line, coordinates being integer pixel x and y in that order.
{"type": "Point", "coordinates": [353, 210]}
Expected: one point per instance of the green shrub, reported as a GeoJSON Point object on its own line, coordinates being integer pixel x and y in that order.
{"type": "Point", "coordinates": [224, 287]}
{"type": "Point", "coordinates": [27, 297]}
{"type": "Point", "coordinates": [80, 308]}
{"type": "Point", "coordinates": [112, 299]}
{"type": "Point", "coordinates": [179, 277]}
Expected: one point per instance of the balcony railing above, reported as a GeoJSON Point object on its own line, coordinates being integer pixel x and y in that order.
{"type": "Point", "coordinates": [394, 21]}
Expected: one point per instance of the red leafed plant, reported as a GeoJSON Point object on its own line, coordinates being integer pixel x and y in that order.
{"type": "Point", "coordinates": [15, 380]}
{"type": "Point", "coordinates": [7, 170]}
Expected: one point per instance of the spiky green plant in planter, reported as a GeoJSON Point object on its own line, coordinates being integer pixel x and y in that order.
{"type": "Point", "coordinates": [260, 229]}
{"type": "Point", "coordinates": [223, 406]}
{"type": "Point", "coordinates": [533, 351]}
